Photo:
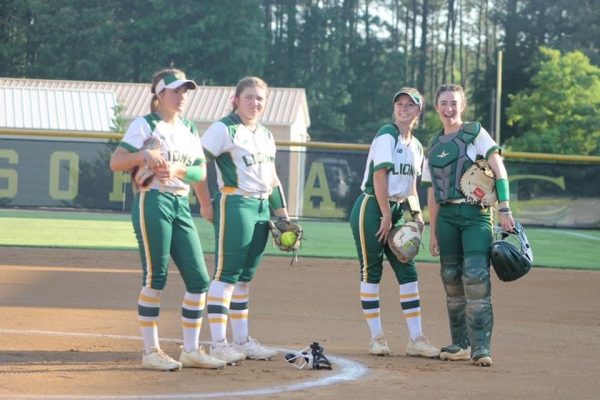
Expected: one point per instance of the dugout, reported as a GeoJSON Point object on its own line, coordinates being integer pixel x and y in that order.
{"type": "Point", "coordinates": [53, 111]}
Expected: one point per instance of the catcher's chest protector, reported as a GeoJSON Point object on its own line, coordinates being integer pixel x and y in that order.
{"type": "Point", "coordinates": [447, 157]}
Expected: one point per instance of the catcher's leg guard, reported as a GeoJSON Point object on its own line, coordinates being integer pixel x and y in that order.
{"type": "Point", "coordinates": [455, 300]}
{"type": "Point", "coordinates": [479, 313]}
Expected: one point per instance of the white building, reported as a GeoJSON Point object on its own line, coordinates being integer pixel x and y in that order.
{"type": "Point", "coordinates": [65, 109]}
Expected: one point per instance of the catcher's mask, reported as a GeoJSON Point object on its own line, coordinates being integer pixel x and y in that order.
{"type": "Point", "coordinates": [511, 254]}
{"type": "Point", "coordinates": [310, 357]}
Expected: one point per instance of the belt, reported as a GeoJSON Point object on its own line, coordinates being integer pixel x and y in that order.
{"type": "Point", "coordinates": [171, 190]}
{"type": "Point", "coordinates": [464, 201]}
{"type": "Point", "coordinates": [240, 192]}
{"type": "Point", "coordinates": [456, 201]}
{"type": "Point", "coordinates": [396, 199]}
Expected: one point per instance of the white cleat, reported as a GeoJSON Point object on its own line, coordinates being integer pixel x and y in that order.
{"type": "Point", "coordinates": [199, 359]}
{"type": "Point", "coordinates": [485, 361]}
{"type": "Point", "coordinates": [455, 353]}
{"type": "Point", "coordinates": [379, 347]}
{"type": "Point", "coordinates": [223, 351]}
{"type": "Point", "coordinates": [159, 360]}
{"type": "Point", "coordinates": [420, 347]}
{"type": "Point", "coordinates": [254, 350]}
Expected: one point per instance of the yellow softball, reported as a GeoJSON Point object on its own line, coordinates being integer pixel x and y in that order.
{"type": "Point", "coordinates": [288, 239]}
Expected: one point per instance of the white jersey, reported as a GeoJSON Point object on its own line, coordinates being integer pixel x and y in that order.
{"type": "Point", "coordinates": [402, 161]}
{"type": "Point", "coordinates": [244, 159]}
{"type": "Point", "coordinates": [179, 143]}
{"type": "Point", "coordinates": [482, 145]}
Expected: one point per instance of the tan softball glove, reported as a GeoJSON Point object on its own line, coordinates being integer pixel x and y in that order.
{"type": "Point", "coordinates": [142, 176]}
{"type": "Point", "coordinates": [405, 240]}
{"type": "Point", "coordinates": [478, 184]}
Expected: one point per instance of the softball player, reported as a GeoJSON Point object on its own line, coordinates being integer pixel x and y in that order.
{"type": "Point", "coordinates": [461, 233]}
{"type": "Point", "coordinates": [162, 220]}
{"type": "Point", "coordinates": [244, 153]}
{"type": "Point", "coordinates": [393, 164]}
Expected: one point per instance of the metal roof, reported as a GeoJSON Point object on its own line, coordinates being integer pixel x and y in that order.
{"type": "Point", "coordinates": [205, 104]}
{"type": "Point", "coordinates": [56, 109]}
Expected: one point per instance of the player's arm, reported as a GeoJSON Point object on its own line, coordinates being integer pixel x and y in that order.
{"type": "Point", "coordinates": [497, 165]}
{"type": "Point", "coordinates": [380, 185]}
{"type": "Point", "coordinates": [277, 197]}
{"type": "Point", "coordinates": [485, 145]}
{"type": "Point", "coordinates": [200, 186]}
{"type": "Point", "coordinates": [124, 160]}
{"type": "Point", "coordinates": [203, 195]}
{"type": "Point", "coordinates": [433, 208]}
{"type": "Point", "coordinates": [130, 152]}
{"type": "Point", "coordinates": [414, 205]}
{"type": "Point", "coordinates": [413, 202]}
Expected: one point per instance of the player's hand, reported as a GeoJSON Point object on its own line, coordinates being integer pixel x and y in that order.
{"type": "Point", "coordinates": [207, 212]}
{"type": "Point", "coordinates": [384, 228]}
{"type": "Point", "coordinates": [434, 248]}
{"type": "Point", "coordinates": [154, 159]}
{"type": "Point", "coordinates": [507, 222]}
{"type": "Point", "coordinates": [170, 171]}
{"type": "Point", "coordinates": [419, 220]}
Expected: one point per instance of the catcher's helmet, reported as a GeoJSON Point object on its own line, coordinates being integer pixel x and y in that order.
{"type": "Point", "coordinates": [511, 261]}
{"type": "Point", "coordinates": [311, 357]}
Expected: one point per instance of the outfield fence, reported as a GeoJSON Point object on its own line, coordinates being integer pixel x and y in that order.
{"type": "Point", "coordinates": [322, 180]}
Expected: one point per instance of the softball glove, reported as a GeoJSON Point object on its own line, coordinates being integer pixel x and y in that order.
{"type": "Point", "coordinates": [478, 184]}
{"type": "Point", "coordinates": [281, 227]}
{"type": "Point", "coordinates": [142, 176]}
{"type": "Point", "coordinates": [405, 240]}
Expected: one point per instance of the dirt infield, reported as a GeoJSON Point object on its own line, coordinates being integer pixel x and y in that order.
{"type": "Point", "coordinates": [68, 330]}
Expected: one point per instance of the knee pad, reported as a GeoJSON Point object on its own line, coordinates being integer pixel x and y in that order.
{"type": "Point", "coordinates": [476, 276]}
{"type": "Point", "coordinates": [451, 273]}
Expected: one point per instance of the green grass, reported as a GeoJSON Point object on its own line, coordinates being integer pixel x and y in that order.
{"type": "Point", "coordinates": [557, 248]}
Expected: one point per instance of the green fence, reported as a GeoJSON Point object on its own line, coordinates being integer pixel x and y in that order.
{"type": "Point", "coordinates": [322, 180]}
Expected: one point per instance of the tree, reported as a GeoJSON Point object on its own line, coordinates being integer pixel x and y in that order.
{"type": "Point", "coordinates": [560, 113]}
{"type": "Point", "coordinates": [323, 70]}
{"type": "Point", "coordinates": [13, 40]}
{"type": "Point", "coordinates": [349, 55]}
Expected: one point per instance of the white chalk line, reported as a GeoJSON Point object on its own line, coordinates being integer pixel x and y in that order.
{"type": "Point", "coordinates": [578, 234]}
{"type": "Point", "coordinates": [349, 370]}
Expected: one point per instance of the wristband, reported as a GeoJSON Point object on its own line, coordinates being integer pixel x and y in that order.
{"type": "Point", "coordinates": [504, 210]}
{"type": "Point", "coordinates": [502, 189]}
{"type": "Point", "coordinates": [194, 173]}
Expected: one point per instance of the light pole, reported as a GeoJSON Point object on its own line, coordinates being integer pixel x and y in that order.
{"type": "Point", "coordinates": [498, 97]}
